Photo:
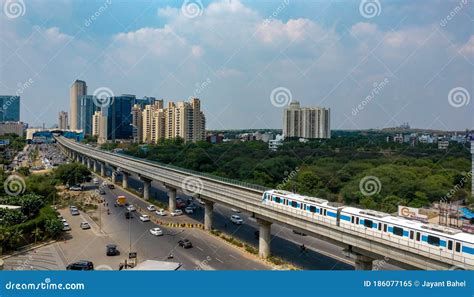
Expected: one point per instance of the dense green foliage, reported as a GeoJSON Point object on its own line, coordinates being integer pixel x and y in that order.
{"type": "Point", "coordinates": [73, 173]}
{"type": "Point", "coordinates": [17, 144]}
{"type": "Point", "coordinates": [331, 169]}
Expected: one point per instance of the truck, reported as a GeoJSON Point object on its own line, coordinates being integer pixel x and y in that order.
{"type": "Point", "coordinates": [121, 201]}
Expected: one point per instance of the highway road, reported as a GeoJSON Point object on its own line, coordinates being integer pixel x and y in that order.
{"type": "Point", "coordinates": [208, 253]}
{"type": "Point", "coordinates": [285, 244]}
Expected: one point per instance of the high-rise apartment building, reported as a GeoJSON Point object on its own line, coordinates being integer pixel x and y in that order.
{"type": "Point", "coordinates": [137, 123]}
{"type": "Point", "coordinates": [306, 122]}
{"type": "Point", "coordinates": [183, 119]}
{"type": "Point", "coordinates": [87, 108]}
{"type": "Point", "coordinates": [9, 108]}
{"type": "Point", "coordinates": [63, 120]}
{"type": "Point", "coordinates": [99, 126]}
{"type": "Point", "coordinates": [78, 89]}
{"type": "Point", "coordinates": [119, 118]}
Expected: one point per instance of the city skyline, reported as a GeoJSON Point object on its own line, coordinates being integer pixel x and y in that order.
{"type": "Point", "coordinates": [373, 71]}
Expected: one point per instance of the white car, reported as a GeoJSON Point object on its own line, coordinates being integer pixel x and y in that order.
{"type": "Point", "coordinates": [161, 212]}
{"type": "Point", "coordinates": [235, 210]}
{"type": "Point", "coordinates": [236, 220]}
{"type": "Point", "coordinates": [95, 181]}
{"type": "Point", "coordinates": [131, 208]}
{"type": "Point", "coordinates": [189, 210]}
{"type": "Point", "coordinates": [176, 213]}
{"type": "Point", "coordinates": [151, 208]}
{"type": "Point", "coordinates": [156, 231]}
{"type": "Point", "coordinates": [144, 218]}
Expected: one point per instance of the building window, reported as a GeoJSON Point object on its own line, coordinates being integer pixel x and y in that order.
{"type": "Point", "coordinates": [398, 231]}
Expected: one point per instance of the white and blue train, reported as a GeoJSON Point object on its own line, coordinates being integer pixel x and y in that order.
{"type": "Point", "coordinates": [437, 240]}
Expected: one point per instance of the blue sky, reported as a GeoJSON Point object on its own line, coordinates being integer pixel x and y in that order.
{"type": "Point", "coordinates": [375, 63]}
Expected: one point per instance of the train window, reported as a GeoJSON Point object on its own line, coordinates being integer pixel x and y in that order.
{"type": "Point", "coordinates": [450, 245]}
{"type": "Point", "coordinates": [384, 227]}
{"type": "Point", "coordinates": [312, 209]}
{"type": "Point", "coordinates": [380, 226]}
{"type": "Point", "coordinates": [357, 221]}
{"type": "Point", "coordinates": [368, 223]}
{"type": "Point", "coordinates": [458, 247]}
{"type": "Point", "coordinates": [418, 236]}
{"type": "Point", "coordinates": [294, 204]}
{"type": "Point", "coordinates": [352, 219]}
{"type": "Point", "coordinates": [398, 231]}
{"type": "Point", "coordinates": [325, 211]}
{"type": "Point", "coordinates": [433, 240]}
{"type": "Point", "coordinates": [277, 199]}
{"type": "Point", "coordinates": [412, 234]}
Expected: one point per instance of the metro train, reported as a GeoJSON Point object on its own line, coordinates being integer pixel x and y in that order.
{"type": "Point", "coordinates": [438, 240]}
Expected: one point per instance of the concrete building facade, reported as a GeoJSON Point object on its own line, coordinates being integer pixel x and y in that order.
{"type": "Point", "coordinates": [63, 121]}
{"type": "Point", "coordinates": [306, 122]}
{"type": "Point", "coordinates": [78, 88]}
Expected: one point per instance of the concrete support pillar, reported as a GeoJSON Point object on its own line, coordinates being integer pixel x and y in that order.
{"type": "Point", "coordinates": [146, 188]}
{"type": "Point", "coordinates": [89, 163]}
{"type": "Point", "coordinates": [264, 238]}
{"type": "Point", "coordinates": [125, 180]}
{"type": "Point", "coordinates": [102, 169]}
{"type": "Point", "coordinates": [82, 158]}
{"type": "Point", "coordinates": [96, 166]}
{"type": "Point", "coordinates": [363, 263]}
{"type": "Point", "coordinates": [208, 212]}
{"type": "Point", "coordinates": [172, 199]}
{"type": "Point", "coordinates": [114, 175]}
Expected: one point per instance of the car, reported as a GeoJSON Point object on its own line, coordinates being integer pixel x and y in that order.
{"type": "Point", "coordinates": [131, 208]}
{"type": "Point", "coordinates": [176, 213]}
{"type": "Point", "coordinates": [235, 210]}
{"type": "Point", "coordinates": [95, 181]}
{"type": "Point", "coordinates": [180, 203]}
{"type": "Point", "coordinates": [128, 215]}
{"type": "Point", "coordinates": [193, 206]}
{"type": "Point", "coordinates": [144, 218]}
{"type": "Point", "coordinates": [100, 191]}
{"type": "Point", "coordinates": [236, 220]}
{"type": "Point", "coordinates": [111, 186]}
{"type": "Point", "coordinates": [151, 207]}
{"type": "Point", "coordinates": [81, 265]}
{"type": "Point", "coordinates": [156, 231]}
{"type": "Point", "coordinates": [85, 226]}
{"type": "Point", "coordinates": [71, 207]}
{"type": "Point", "coordinates": [299, 233]}
{"type": "Point", "coordinates": [185, 243]}
{"type": "Point", "coordinates": [66, 227]}
{"type": "Point", "coordinates": [161, 212]}
{"type": "Point", "coordinates": [76, 188]}
{"type": "Point", "coordinates": [189, 210]}
{"type": "Point", "coordinates": [111, 250]}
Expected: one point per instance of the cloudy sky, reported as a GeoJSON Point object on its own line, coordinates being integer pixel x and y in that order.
{"type": "Point", "coordinates": [375, 63]}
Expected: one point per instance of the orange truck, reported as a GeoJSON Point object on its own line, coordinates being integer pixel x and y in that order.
{"type": "Point", "coordinates": [121, 201]}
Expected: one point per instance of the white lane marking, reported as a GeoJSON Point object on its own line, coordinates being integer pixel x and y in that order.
{"type": "Point", "coordinates": [219, 260]}
{"type": "Point", "coordinates": [233, 257]}
{"type": "Point", "coordinates": [200, 249]}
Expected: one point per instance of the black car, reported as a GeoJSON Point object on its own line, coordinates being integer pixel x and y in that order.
{"type": "Point", "coordinates": [111, 250]}
{"type": "Point", "coordinates": [128, 215]}
{"type": "Point", "coordinates": [111, 186]}
{"type": "Point", "coordinates": [185, 243]}
{"type": "Point", "coordinates": [81, 265]}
